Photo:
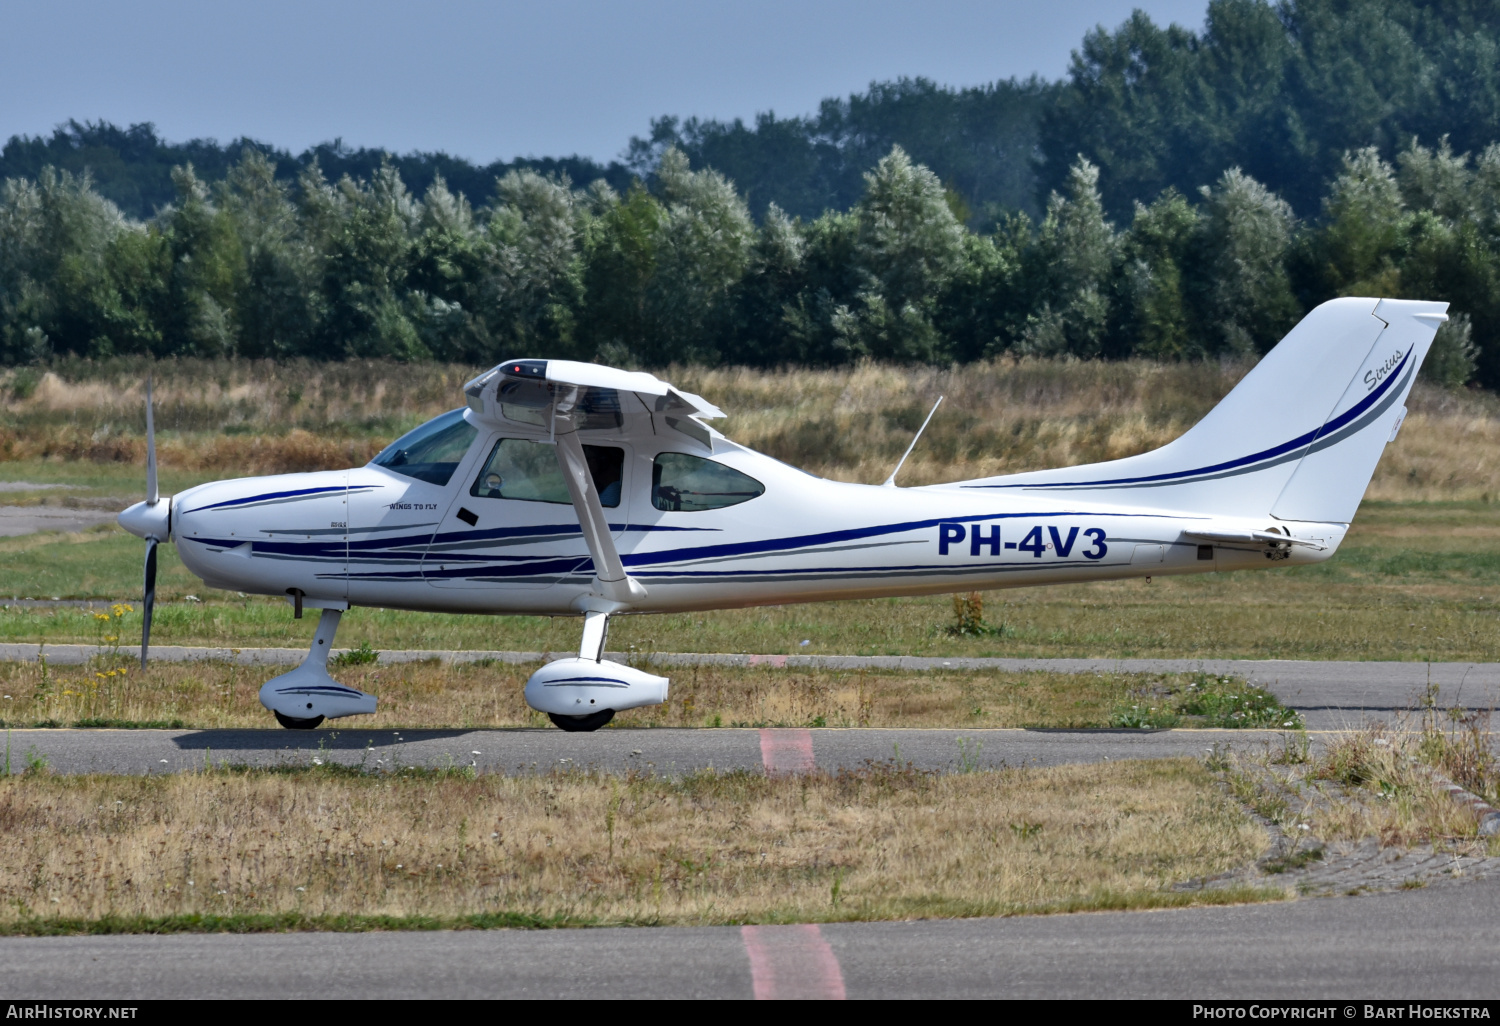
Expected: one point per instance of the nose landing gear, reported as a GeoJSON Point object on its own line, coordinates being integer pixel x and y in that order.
{"type": "Point", "coordinates": [305, 697]}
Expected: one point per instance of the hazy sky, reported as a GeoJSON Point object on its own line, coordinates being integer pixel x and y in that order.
{"type": "Point", "coordinates": [504, 79]}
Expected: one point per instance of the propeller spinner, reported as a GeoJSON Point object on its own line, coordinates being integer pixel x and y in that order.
{"type": "Point", "coordinates": [151, 520]}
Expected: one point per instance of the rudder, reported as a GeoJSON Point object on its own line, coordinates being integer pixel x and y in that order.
{"type": "Point", "coordinates": [1331, 478]}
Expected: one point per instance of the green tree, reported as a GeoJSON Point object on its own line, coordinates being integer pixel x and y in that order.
{"type": "Point", "coordinates": [531, 274]}
{"type": "Point", "coordinates": [1436, 180]}
{"type": "Point", "coordinates": [1357, 245]}
{"type": "Point", "coordinates": [702, 247]}
{"type": "Point", "coordinates": [363, 232]}
{"type": "Point", "coordinates": [978, 311]}
{"type": "Point", "coordinates": [831, 278]}
{"type": "Point", "coordinates": [1155, 307]}
{"type": "Point", "coordinates": [1068, 270]}
{"type": "Point", "coordinates": [208, 272]}
{"type": "Point", "coordinates": [1134, 104]}
{"type": "Point", "coordinates": [908, 247]}
{"type": "Point", "coordinates": [767, 318]}
{"type": "Point", "coordinates": [1241, 283]}
{"type": "Point", "coordinates": [445, 275]}
{"type": "Point", "coordinates": [619, 262]}
{"type": "Point", "coordinates": [1453, 358]}
{"type": "Point", "coordinates": [25, 305]}
{"type": "Point", "coordinates": [280, 306]}
{"type": "Point", "coordinates": [75, 276]}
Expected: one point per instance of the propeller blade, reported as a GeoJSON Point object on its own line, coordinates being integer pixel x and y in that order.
{"type": "Point", "coordinates": [151, 493]}
{"type": "Point", "coordinates": [148, 599]}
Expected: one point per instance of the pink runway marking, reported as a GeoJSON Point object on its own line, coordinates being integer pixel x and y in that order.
{"type": "Point", "coordinates": [786, 751]}
{"type": "Point", "coordinates": [778, 661]}
{"type": "Point", "coordinates": [792, 963]}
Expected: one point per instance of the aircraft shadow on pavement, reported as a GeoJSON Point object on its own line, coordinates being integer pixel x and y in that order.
{"type": "Point", "coordinates": [327, 740]}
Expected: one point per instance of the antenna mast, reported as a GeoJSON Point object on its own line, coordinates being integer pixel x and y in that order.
{"type": "Point", "coordinates": [890, 482]}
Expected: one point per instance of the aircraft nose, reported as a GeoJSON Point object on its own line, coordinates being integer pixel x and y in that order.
{"type": "Point", "coordinates": [149, 520]}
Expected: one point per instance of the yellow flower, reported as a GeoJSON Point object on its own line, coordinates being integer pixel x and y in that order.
{"type": "Point", "coordinates": [102, 616]}
{"type": "Point", "coordinates": [111, 637]}
{"type": "Point", "coordinates": [99, 675]}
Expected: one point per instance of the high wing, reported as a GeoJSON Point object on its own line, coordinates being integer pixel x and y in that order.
{"type": "Point", "coordinates": [566, 396]}
{"type": "Point", "coordinates": [508, 383]}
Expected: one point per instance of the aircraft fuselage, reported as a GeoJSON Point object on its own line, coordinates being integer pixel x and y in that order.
{"type": "Point", "coordinates": [374, 536]}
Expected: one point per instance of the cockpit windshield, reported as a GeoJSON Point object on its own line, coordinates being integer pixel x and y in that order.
{"type": "Point", "coordinates": [431, 452]}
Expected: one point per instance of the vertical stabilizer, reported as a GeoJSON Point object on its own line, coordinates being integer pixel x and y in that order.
{"type": "Point", "coordinates": [1297, 438]}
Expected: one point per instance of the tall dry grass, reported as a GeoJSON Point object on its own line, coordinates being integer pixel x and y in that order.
{"type": "Point", "coordinates": [997, 417]}
{"type": "Point", "coordinates": [849, 423]}
{"type": "Point", "coordinates": [885, 843]}
{"type": "Point", "coordinates": [251, 417]}
{"type": "Point", "coordinates": [1385, 781]}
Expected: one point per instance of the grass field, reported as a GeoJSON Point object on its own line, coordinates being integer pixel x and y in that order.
{"type": "Point", "coordinates": [228, 849]}
{"type": "Point", "coordinates": [1413, 581]}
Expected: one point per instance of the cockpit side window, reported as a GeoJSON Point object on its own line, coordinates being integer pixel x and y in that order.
{"type": "Point", "coordinates": [683, 483]}
{"type": "Point", "coordinates": [527, 470]}
{"type": "Point", "coordinates": [431, 452]}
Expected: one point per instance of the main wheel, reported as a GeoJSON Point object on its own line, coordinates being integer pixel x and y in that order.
{"type": "Point", "coordinates": [293, 723]}
{"type": "Point", "coordinates": [582, 724]}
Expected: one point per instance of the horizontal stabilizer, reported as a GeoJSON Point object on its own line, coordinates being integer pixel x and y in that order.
{"type": "Point", "coordinates": [1251, 538]}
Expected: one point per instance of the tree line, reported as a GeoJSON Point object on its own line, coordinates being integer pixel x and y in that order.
{"type": "Point", "coordinates": [1178, 195]}
{"type": "Point", "coordinates": [256, 267]}
{"type": "Point", "coordinates": [1280, 90]}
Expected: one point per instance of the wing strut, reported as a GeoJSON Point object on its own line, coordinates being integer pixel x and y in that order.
{"type": "Point", "coordinates": [610, 579]}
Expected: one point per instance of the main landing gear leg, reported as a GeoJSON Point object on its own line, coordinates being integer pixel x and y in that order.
{"type": "Point", "coordinates": [302, 699]}
{"type": "Point", "coordinates": [583, 692]}
{"type": "Point", "coordinates": [595, 634]}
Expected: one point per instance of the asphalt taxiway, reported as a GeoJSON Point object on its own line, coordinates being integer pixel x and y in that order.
{"type": "Point", "coordinates": [1436, 943]}
{"type": "Point", "coordinates": [662, 750]}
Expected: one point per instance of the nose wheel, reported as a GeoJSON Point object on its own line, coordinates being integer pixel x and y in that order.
{"type": "Point", "coordinates": [581, 724]}
{"type": "Point", "coordinates": [293, 723]}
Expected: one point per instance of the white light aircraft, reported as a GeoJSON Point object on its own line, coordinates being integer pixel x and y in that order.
{"type": "Point", "coordinates": [572, 489]}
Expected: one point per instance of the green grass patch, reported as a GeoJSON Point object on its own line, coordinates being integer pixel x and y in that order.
{"type": "Point", "coordinates": [1293, 862]}
{"type": "Point", "coordinates": [915, 908]}
{"type": "Point", "coordinates": [1204, 700]}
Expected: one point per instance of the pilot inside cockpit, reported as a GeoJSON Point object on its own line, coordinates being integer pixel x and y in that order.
{"type": "Point", "coordinates": [527, 469]}
{"type": "Point", "coordinates": [606, 467]}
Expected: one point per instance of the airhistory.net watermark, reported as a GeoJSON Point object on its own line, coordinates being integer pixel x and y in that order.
{"type": "Point", "coordinates": [40, 1010]}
